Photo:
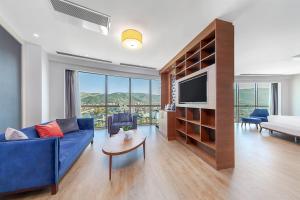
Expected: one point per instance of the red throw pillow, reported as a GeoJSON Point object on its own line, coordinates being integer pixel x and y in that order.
{"type": "Point", "coordinates": [49, 130]}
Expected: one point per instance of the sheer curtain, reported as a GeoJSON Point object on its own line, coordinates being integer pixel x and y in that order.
{"type": "Point", "coordinates": [72, 107]}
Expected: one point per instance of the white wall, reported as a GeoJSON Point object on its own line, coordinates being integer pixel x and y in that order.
{"type": "Point", "coordinates": [266, 36]}
{"type": "Point", "coordinates": [34, 85]}
{"type": "Point", "coordinates": [295, 95]}
{"type": "Point", "coordinates": [58, 65]}
{"type": "Point", "coordinates": [284, 93]}
{"type": "Point", "coordinates": [45, 87]}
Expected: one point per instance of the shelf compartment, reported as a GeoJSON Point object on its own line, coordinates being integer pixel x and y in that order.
{"type": "Point", "coordinates": [207, 126]}
{"type": "Point", "coordinates": [193, 50]}
{"type": "Point", "coordinates": [208, 137]}
{"type": "Point", "coordinates": [180, 126]}
{"type": "Point", "coordinates": [210, 37]}
{"type": "Point", "coordinates": [194, 65]}
{"type": "Point", "coordinates": [208, 50]}
{"type": "Point", "coordinates": [193, 114]}
{"type": "Point", "coordinates": [206, 153]}
{"type": "Point", "coordinates": [181, 137]}
{"type": "Point", "coordinates": [208, 60]}
{"type": "Point", "coordinates": [210, 45]}
{"type": "Point", "coordinates": [195, 56]}
{"type": "Point", "coordinates": [180, 67]}
{"type": "Point", "coordinates": [208, 118]}
{"type": "Point", "coordinates": [181, 112]}
{"type": "Point", "coordinates": [193, 68]}
{"type": "Point", "coordinates": [196, 122]}
{"type": "Point", "coordinates": [180, 60]}
{"type": "Point", "coordinates": [181, 118]}
{"type": "Point", "coordinates": [180, 74]}
{"type": "Point", "coordinates": [193, 131]}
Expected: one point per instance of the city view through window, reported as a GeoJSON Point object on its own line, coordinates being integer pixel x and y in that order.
{"type": "Point", "coordinates": [248, 96]}
{"type": "Point", "coordinates": [103, 95]}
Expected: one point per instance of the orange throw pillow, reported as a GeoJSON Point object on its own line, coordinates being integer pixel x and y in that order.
{"type": "Point", "coordinates": [49, 130]}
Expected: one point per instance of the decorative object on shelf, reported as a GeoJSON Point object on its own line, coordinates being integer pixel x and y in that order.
{"type": "Point", "coordinates": [170, 107]}
{"type": "Point", "coordinates": [132, 39]}
{"type": "Point", "coordinates": [173, 79]}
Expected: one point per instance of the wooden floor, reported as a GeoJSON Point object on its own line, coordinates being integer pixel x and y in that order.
{"type": "Point", "coordinates": [267, 167]}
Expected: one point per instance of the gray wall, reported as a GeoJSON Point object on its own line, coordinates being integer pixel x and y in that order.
{"type": "Point", "coordinates": [10, 81]}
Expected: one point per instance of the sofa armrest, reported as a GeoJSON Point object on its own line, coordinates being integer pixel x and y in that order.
{"type": "Point", "coordinates": [134, 122]}
{"type": "Point", "coordinates": [86, 123]}
{"type": "Point", "coordinates": [109, 123]}
{"type": "Point", "coordinates": [28, 164]}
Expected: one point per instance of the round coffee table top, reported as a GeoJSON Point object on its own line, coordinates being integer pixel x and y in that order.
{"type": "Point", "coordinates": [116, 144]}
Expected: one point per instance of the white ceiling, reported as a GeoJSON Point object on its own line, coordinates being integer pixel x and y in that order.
{"type": "Point", "coordinates": [266, 31]}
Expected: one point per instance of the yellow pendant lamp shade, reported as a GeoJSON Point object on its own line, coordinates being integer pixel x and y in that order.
{"type": "Point", "coordinates": [132, 39]}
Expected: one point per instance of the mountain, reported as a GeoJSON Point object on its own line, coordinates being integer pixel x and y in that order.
{"type": "Point", "coordinates": [117, 98]}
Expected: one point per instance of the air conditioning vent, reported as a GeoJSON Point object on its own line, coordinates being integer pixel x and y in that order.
{"type": "Point", "coordinates": [132, 65]}
{"type": "Point", "coordinates": [85, 57]}
{"type": "Point", "coordinates": [81, 12]}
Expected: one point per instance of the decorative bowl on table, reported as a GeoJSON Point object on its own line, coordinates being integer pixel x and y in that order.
{"type": "Point", "coordinates": [127, 133]}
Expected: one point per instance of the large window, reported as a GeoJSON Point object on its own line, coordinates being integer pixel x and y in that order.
{"type": "Point", "coordinates": [248, 96]}
{"type": "Point", "coordinates": [103, 95]}
{"type": "Point", "coordinates": [155, 100]}
{"type": "Point", "coordinates": [140, 100]}
{"type": "Point", "coordinates": [92, 97]}
{"type": "Point", "coordinates": [246, 99]}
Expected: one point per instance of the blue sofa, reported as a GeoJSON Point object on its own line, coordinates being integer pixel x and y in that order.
{"type": "Point", "coordinates": [41, 162]}
{"type": "Point", "coordinates": [116, 121]}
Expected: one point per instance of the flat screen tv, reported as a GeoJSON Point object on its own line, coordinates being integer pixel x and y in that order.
{"type": "Point", "coordinates": [193, 90]}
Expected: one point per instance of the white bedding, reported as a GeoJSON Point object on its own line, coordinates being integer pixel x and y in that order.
{"type": "Point", "coordinates": [284, 124]}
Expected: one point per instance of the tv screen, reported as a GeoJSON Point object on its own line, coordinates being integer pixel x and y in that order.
{"type": "Point", "coordinates": [193, 90]}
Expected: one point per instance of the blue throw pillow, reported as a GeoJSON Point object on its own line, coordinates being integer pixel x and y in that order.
{"type": "Point", "coordinates": [68, 125]}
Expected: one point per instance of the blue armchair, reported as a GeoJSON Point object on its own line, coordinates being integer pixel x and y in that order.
{"type": "Point", "coordinates": [261, 114]}
{"type": "Point", "coordinates": [116, 121]}
{"type": "Point", "coordinates": [256, 117]}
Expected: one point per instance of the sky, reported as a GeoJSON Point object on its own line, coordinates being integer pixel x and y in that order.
{"type": "Point", "coordinates": [95, 83]}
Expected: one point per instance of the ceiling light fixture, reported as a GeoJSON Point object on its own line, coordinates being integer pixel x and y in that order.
{"type": "Point", "coordinates": [36, 35]}
{"type": "Point", "coordinates": [132, 39]}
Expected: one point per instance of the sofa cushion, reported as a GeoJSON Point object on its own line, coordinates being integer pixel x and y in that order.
{"type": "Point", "coordinates": [121, 124]}
{"type": "Point", "coordinates": [115, 118]}
{"type": "Point", "coordinates": [49, 130]}
{"type": "Point", "coordinates": [13, 134]}
{"type": "Point", "coordinates": [30, 132]}
{"type": "Point", "coordinates": [2, 137]}
{"type": "Point", "coordinates": [125, 117]}
{"type": "Point", "coordinates": [71, 145]}
{"type": "Point", "coordinates": [253, 120]}
{"type": "Point", "coordinates": [263, 119]}
{"type": "Point", "coordinates": [68, 125]}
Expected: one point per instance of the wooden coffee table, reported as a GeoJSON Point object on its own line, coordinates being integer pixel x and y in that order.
{"type": "Point", "coordinates": [116, 145]}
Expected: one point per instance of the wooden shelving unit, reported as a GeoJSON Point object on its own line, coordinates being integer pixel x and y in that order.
{"type": "Point", "coordinates": [207, 132]}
